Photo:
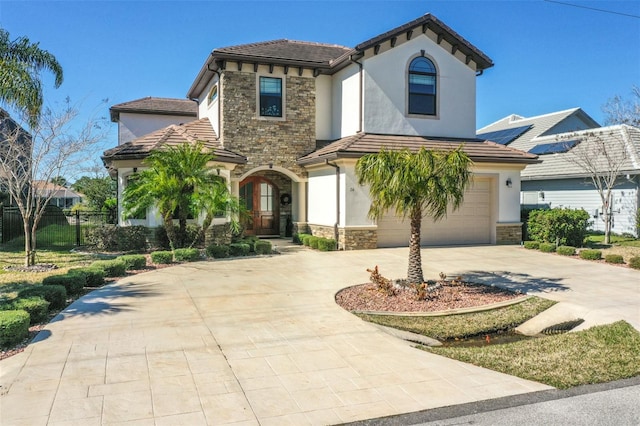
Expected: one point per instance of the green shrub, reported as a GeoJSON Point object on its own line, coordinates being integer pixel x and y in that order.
{"type": "Point", "coordinates": [94, 277]}
{"type": "Point", "coordinates": [295, 239]}
{"type": "Point", "coordinates": [561, 226]}
{"type": "Point", "coordinates": [162, 257]}
{"type": "Point", "coordinates": [589, 254]}
{"type": "Point", "coordinates": [186, 255]}
{"type": "Point", "coordinates": [326, 244]}
{"type": "Point", "coordinates": [547, 247]}
{"type": "Point", "coordinates": [111, 268]}
{"type": "Point", "coordinates": [133, 261]}
{"type": "Point", "coordinates": [299, 238]}
{"type": "Point", "coordinates": [263, 247]}
{"type": "Point", "coordinates": [36, 306]}
{"type": "Point", "coordinates": [566, 250]}
{"type": "Point", "coordinates": [14, 326]}
{"type": "Point", "coordinates": [634, 262]}
{"type": "Point", "coordinates": [192, 233]}
{"type": "Point", "coordinates": [116, 238]}
{"type": "Point", "coordinates": [306, 239]}
{"type": "Point", "coordinates": [313, 242]}
{"type": "Point", "coordinates": [614, 258]}
{"type": "Point", "coordinates": [56, 295]}
{"type": "Point", "coordinates": [73, 283]}
{"type": "Point", "coordinates": [239, 249]}
{"type": "Point", "coordinates": [532, 245]}
{"type": "Point", "coordinates": [218, 252]}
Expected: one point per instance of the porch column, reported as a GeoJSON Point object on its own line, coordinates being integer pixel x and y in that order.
{"type": "Point", "coordinates": [299, 202]}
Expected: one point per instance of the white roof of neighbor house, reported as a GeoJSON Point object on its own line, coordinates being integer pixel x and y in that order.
{"type": "Point", "coordinates": [540, 125]}
{"type": "Point", "coordinates": [560, 165]}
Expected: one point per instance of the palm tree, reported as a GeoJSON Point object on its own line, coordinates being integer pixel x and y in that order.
{"type": "Point", "coordinates": [179, 182]}
{"type": "Point", "coordinates": [20, 65]}
{"type": "Point", "coordinates": [415, 184]}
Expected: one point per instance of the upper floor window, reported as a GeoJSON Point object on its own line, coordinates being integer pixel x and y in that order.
{"type": "Point", "coordinates": [422, 86]}
{"type": "Point", "coordinates": [270, 97]}
{"type": "Point", "coordinates": [213, 94]}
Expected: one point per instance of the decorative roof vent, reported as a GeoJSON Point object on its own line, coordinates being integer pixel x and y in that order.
{"type": "Point", "coordinates": [515, 117]}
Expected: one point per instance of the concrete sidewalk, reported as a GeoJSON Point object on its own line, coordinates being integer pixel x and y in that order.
{"type": "Point", "coordinates": [261, 341]}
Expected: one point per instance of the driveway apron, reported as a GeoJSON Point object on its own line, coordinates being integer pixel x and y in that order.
{"type": "Point", "coordinates": [261, 341]}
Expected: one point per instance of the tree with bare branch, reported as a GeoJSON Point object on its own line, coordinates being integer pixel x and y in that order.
{"type": "Point", "coordinates": [602, 155]}
{"type": "Point", "coordinates": [619, 110]}
{"type": "Point", "coordinates": [56, 146]}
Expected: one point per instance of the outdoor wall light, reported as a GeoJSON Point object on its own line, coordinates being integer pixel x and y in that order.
{"type": "Point", "coordinates": [271, 165]}
{"type": "Point", "coordinates": [509, 183]}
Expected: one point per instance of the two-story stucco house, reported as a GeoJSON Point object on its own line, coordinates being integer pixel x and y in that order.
{"type": "Point", "coordinates": [288, 120]}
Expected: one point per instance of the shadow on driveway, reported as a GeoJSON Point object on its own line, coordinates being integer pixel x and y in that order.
{"type": "Point", "coordinates": [103, 301]}
{"type": "Point", "coordinates": [514, 281]}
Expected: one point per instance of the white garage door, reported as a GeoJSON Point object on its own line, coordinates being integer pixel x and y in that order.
{"type": "Point", "coordinates": [470, 224]}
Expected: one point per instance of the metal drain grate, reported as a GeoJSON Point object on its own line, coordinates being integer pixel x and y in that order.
{"type": "Point", "coordinates": [563, 327]}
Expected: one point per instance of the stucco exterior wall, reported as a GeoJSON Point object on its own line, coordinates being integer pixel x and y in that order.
{"type": "Point", "coordinates": [345, 102]}
{"type": "Point", "coordinates": [386, 92]}
{"type": "Point", "coordinates": [132, 126]}
{"type": "Point", "coordinates": [210, 109]}
{"type": "Point", "coordinates": [323, 107]}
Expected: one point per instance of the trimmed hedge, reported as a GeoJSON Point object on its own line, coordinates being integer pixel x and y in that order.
{"type": "Point", "coordinates": [186, 255]}
{"type": "Point", "coordinates": [133, 261]}
{"type": "Point", "coordinates": [117, 238]}
{"type": "Point", "coordinates": [547, 247]}
{"type": "Point", "coordinates": [217, 252]}
{"type": "Point", "coordinates": [634, 262]}
{"type": "Point", "coordinates": [14, 326]}
{"type": "Point", "coordinates": [532, 245]}
{"type": "Point", "coordinates": [326, 244]}
{"type": "Point", "coordinates": [614, 258]}
{"type": "Point", "coordinates": [162, 257]}
{"type": "Point", "coordinates": [36, 306]}
{"type": "Point", "coordinates": [56, 295]}
{"type": "Point", "coordinates": [561, 226]}
{"type": "Point", "coordinates": [239, 249]}
{"type": "Point", "coordinates": [589, 254]}
{"type": "Point", "coordinates": [73, 283]}
{"type": "Point", "coordinates": [313, 242]}
{"type": "Point", "coordinates": [263, 247]}
{"type": "Point", "coordinates": [566, 250]}
{"type": "Point", "coordinates": [94, 277]}
{"type": "Point", "coordinates": [305, 238]}
{"type": "Point", "coordinates": [111, 268]}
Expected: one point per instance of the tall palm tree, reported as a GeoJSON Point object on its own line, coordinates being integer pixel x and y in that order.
{"type": "Point", "coordinates": [179, 182]}
{"type": "Point", "coordinates": [415, 184]}
{"type": "Point", "coordinates": [20, 65]}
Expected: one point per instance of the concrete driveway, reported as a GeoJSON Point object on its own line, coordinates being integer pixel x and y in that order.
{"type": "Point", "coordinates": [261, 341]}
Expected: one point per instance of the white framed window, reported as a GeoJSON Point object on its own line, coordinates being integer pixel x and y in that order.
{"type": "Point", "coordinates": [422, 87]}
{"type": "Point", "coordinates": [213, 94]}
{"type": "Point", "coordinates": [271, 97]}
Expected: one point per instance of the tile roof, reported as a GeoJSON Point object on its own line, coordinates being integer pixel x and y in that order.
{"type": "Point", "coordinates": [365, 143]}
{"type": "Point", "coordinates": [153, 105]}
{"type": "Point", "coordinates": [173, 135]}
{"type": "Point", "coordinates": [56, 191]}
{"type": "Point", "coordinates": [287, 51]}
{"type": "Point", "coordinates": [560, 165]}
{"type": "Point", "coordinates": [327, 58]}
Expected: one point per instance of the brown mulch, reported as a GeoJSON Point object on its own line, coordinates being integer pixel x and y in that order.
{"type": "Point", "coordinates": [367, 297]}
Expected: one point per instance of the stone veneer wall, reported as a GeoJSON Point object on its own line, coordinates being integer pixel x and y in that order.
{"type": "Point", "coordinates": [264, 141]}
{"type": "Point", "coordinates": [509, 233]}
{"type": "Point", "coordinates": [348, 238]}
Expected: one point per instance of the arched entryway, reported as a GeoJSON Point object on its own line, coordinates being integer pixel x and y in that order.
{"type": "Point", "coordinates": [261, 196]}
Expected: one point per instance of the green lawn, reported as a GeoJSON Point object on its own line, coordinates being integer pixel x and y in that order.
{"type": "Point", "coordinates": [598, 239]}
{"type": "Point", "coordinates": [597, 355]}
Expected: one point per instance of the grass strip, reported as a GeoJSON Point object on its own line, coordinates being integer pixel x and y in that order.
{"type": "Point", "coordinates": [468, 324]}
{"type": "Point", "coordinates": [597, 355]}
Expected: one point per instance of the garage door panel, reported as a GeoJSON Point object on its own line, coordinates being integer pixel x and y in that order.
{"type": "Point", "coordinates": [471, 224]}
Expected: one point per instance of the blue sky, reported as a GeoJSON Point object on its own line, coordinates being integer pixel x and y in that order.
{"type": "Point", "coordinates": [548, 56]}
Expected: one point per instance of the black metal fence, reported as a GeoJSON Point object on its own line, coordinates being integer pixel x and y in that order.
{"type": "Point", "coordinates": [56, 228]}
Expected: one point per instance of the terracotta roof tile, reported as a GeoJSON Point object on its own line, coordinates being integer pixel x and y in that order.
{"type": "Point", "coordinates": [363, 143]}
{"type": "Point", "coordinates": [173, 135]}
{"type": "Point", "coordinates": [153, 105]}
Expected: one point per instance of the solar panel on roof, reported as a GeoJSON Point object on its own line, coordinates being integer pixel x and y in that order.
{"type": "Point", "coordinates": [505, 136]}
{"type": "Point", "coordinates": [553, 148]}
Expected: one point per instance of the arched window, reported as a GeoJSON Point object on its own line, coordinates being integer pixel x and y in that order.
{"type": "Point", "coordinates": [422, 86]}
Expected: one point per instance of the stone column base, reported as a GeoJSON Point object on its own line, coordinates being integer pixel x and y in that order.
{"type": "Point", "coordinates": [509, 233]}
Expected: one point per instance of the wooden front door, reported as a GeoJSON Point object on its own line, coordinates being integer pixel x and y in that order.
{"type": "Point", "coordinates": [259, 195]}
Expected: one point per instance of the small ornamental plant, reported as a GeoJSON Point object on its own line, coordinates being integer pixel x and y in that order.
{"type": "Point", "coordinates": [547, 247]}
{"type": "Point", "coordinates": [614, 258]}
{"type": "Point", "coordinates": [589, 254]}
{"type": "Point", "coordinates": [566, 250]}
{"type": "Point", "coordinates": [532, 245]}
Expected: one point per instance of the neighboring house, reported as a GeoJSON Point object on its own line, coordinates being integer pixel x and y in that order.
{"type": "Point", "coordinates": [557, 181]}
{"type": "Point", "coordinates": [288, 120]}
{"type": "Point", "coordinates": [62, 197]}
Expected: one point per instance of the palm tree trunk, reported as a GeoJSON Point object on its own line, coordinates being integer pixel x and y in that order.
{"type": "Point", "coordinates": [170, 228]}
{"type": "Point", "coordinates": [414, 272]}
